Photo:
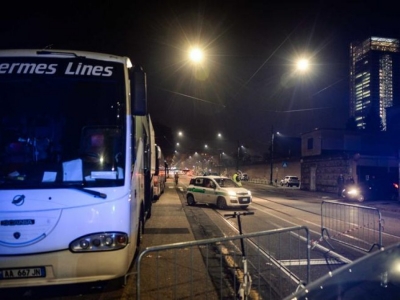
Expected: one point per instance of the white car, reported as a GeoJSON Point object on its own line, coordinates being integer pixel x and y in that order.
{"type": "Point", "coordinates": [218, 190]}
{"type": "Point", "coordinates": [290, 181]}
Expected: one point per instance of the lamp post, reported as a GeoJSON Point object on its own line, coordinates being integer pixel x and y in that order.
{"type": "Point", "coordinates": [219, 137]}
{"type": "Point", "coordinates": [219, 161]}
{"type": "Point", "coordinates": [272, 155]}
{"type": "Point", "coordinates": [302, 66]}
{"type": "Point", "coordinates": [238, 154]}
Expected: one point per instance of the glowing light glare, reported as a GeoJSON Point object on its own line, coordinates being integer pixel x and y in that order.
{"type": "Point", "coordinates": [396, 267]}
{"type": "Point", "coordinates": [196, 55]}
{"type": "Point", "coordinates": [303, 65]}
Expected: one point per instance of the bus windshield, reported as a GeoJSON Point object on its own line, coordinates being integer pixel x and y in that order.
{"type": "Point", "coordinates": [61, 128]}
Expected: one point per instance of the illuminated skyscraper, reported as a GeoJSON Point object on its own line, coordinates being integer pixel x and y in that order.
{"type": "Point", "coordinates": [374, 80]}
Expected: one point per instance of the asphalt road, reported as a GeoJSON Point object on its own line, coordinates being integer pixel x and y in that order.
{"type": "Point", "coordinates": [274, 207]}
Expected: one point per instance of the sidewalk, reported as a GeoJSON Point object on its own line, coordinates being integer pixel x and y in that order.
{"type": "Point", "coordinates": [169, 224]}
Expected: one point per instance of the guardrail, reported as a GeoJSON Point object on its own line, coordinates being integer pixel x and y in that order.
{"type": "Point", "coordinates": [353, 225]}
{"type": "Point", "coordinates": [278, 261]}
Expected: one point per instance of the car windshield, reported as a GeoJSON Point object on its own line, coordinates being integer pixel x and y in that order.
{"type": "Point", "coordinates": [57, 130]}
{"type": "Point", "coordinates": [225, 182]}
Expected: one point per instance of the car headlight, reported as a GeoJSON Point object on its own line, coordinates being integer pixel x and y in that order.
{"type": "Point", "coordinates": [353, 192]}
{"type": "Point", "coordinates": [231, 193]}
{"type": "Point", "coordinates": [249, 193]}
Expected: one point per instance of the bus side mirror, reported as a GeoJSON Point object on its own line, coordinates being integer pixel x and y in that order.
{"type": "Point", "coordinates": [138, 91]}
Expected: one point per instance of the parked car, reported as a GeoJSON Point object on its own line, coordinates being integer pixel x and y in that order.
{"type": "Point", "coordinates": [290, 181]}
{"type": "Point", "coordinates": [368, 191]}
{"type": "Point", "coordinates": [244, 177]}
{"type": "Point", "coordinates": [218, 190]}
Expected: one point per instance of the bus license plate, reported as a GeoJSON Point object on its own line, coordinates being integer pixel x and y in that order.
{"type": "Point", "coordinates": [22, 273]}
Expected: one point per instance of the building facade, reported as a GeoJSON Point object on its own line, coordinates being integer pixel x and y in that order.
{"type": "Point", "coordinates": [374, 81]}
{"type": "Point", "coordinates": [327, 153]}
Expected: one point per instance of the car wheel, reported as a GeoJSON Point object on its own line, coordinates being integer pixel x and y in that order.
{"type": "Point", "coordinates": [190, 200]}
{"type": "Point", "coordinates": [221, 203]}
{"type": "Point", "coordinates": [287, 184]}
{"type": "Point", "coordinates": [244, 206]}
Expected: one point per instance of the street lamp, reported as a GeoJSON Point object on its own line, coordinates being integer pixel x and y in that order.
{"type": "Point", "coordinates": [196, 55]}
{"type": "Point", "coordinates": [272, 155]}
{"type": "Point", "coordinates": [219, 137]}
{"type": "Point", "coordinates": [303, 65]}
{"type": "Point", "coordinates": [238, 154]}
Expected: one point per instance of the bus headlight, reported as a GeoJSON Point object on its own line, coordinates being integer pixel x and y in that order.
{"type": "Point", "coordinates": [105, 241]}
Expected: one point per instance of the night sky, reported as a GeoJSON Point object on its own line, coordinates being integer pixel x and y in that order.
{"type": "Point", "coordinates": [246, 85]}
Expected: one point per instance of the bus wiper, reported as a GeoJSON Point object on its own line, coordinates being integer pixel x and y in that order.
{"type": "Point", "coordinates": [94, 193]}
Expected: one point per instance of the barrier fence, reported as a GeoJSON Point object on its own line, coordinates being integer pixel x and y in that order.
{"type": "Point", "coordinates": [278, 262]}
{"type": "Point", "coordinates": [353, 225]}
{"type": "Point", "coordinates": [259, 180]}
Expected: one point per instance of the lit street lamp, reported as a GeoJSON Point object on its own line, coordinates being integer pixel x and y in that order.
{"type": "Point", "coordinates": [196, 55]}
{"type": "Point", "coordinates": [302, 65]}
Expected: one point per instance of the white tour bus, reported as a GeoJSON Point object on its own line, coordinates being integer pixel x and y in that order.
{"type": "Point", "coordinates": [159, 178]}
{"type": "Point", "coordinates": [75, 165]}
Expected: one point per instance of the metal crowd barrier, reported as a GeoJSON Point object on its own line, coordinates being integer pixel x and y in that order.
{"type": "Point", "coordinates": [278, 262]}
{"type": "Point", "coordinates": [353, 225]}
{"type": "Point", "coordinates": [259, 180]}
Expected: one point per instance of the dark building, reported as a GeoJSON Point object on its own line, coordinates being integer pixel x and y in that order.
{"type": "Point", "coordinates": [374, 81]}
{"type": "Point", "coordinates": [327, 153]}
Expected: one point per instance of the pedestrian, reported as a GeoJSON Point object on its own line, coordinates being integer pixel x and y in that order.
{"type": "Point", "coordinates": [340, 184]}
{"type": "Point", "coordinates": [236, 178]}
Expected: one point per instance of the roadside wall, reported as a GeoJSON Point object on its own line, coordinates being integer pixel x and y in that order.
{"type": "Point", "coordinates": [262, 171]}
